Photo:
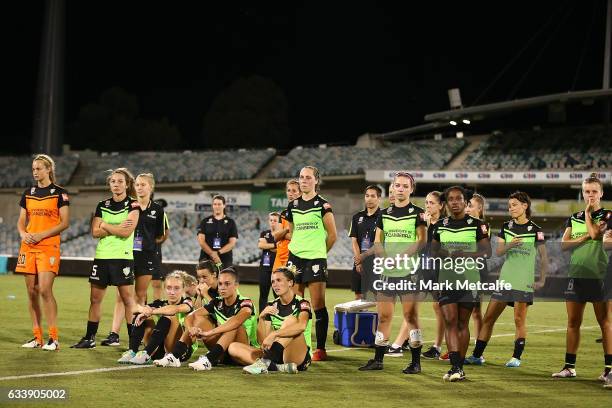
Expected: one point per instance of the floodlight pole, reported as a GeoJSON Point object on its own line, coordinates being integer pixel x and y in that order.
{"type": "Point", "coordinates": [606, 67]}
{"type": "Point", "coordinates": [49, 113]}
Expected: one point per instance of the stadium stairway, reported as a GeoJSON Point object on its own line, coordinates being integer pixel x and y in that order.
{"type": "Point", "coordinates": [457, 161]}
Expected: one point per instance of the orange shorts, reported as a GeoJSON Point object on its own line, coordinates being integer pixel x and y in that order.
{"type": "Point", "coordinates": [34, 260]}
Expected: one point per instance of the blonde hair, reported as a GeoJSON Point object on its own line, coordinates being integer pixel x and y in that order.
{"type": "Point", "coordinates": [294, 182]}
{"type": "Point", "coordinates": [150, 179]}
{"type": "Point", "coordinates": [481, 201]}
{"type": "Point", "coordinates": [49, 164]}
{"type": "Point", "coordinates": [593, 179]}
{"type": "Point", "coordinates": [129, 180]}
{"type": "Point", "coordinates": [186, 278]}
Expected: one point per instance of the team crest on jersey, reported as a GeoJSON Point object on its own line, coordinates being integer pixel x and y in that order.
{"type": "Point", "coordinates": [360, 220]}
{"type": "Point", "coordinates": [445, 222]}
{"type": "Point", "coordinates": [529, 228]}
{"type": "Point", "coordinates": [32, 190]}
{"type": "Point", "coordinates": [107, 203]}
{"type": "Point", "coordinates": [209, 221]}
{"type": "Point", "coordinates": [225, 221]}
{"type": "Point", "coordinates": [52, 191]}
{"type": "Point", "coordinates": [295, 203]}
{"type": "Point", "coordinates": [580, 214]}
{"type": "Point", "coordinates": [469, 221]}
{"type": "Point", "coordinates": [389, 210]}
{"type": "Point", "coordinates": [510, 224]}
{"type": "Point", "coordinates": [153, 212]}
{"type": "Point", "coordinates": [411, 210]}
{"type": "Point", "coordinates": [316, 202]}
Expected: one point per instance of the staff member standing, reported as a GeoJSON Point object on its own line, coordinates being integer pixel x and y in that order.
{"type": "Point", "coordinates": [362, 234]}
{"type": "Point", "coordinates": [268, 254]}
{"type": "Point", "coordinates": [217, 235]}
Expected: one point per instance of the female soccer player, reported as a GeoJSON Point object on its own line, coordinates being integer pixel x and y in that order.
{"type": "Point", "coordinates": [313, 233]}
{"type": "Point", "coordinates": [608, 288]}
{"type": "Point", "coordinates": [400, 231]}
{"type": "Point", "coordinates": [462, 242]}
{"type": "Point", "coordinates": [113, 224]}
{"type": "Point", "coordinates": [148, 233]}
{"type": "Point", "coordinates": [282, 234]}
{"type": "Point", "coordinates": [520, 240]}
{"type": "Point", "coordinates": [168, 327]}
{"type": "Point", "coordinates": [208, 274]}
{"type": "Point", "coordinates": [228, 318]}
{"type": "Point", "coordinates": [217, 235]}
{"type": "Point", "coordinates": [44, 207]}
{"type": "Point", "coordinates": [588, 264]}
{"type": "Point", "coordinates": [283, 331]}
{"type": "Point", "coordinates": [476, 209]}
{"type": "Point", "coordinates": [268, 253]}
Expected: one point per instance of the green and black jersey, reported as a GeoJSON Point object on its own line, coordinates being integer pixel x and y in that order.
{"type": "Point", "coordinates": [309, 236]}
{"type": "Point", "coordinates": [293, 308]}
{"type": "Point", "coordinates": [460, 235]}
{"type": "Point", "coordinates": [519, 266]}
{"type": "Point", "coordinates": [114, 213]}
{"type": "Point", "coordinates": [399, 232]}
{"type": "Point", "coordinates": [589, 260]}
{"type": "Point", "coordinates": [221, 313]}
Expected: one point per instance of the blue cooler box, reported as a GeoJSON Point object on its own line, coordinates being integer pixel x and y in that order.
{"type": "Point", "coordinates": [355, 329]}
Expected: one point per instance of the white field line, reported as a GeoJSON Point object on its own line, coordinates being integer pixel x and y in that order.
{"type": "Point", "coordinates": [558, 329]}
{"type": "Point", "coordinates": [100, 370]}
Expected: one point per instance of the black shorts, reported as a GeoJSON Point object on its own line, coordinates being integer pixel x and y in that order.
{"type": "Point", "coordinates": [307, 360]}
{"type": "Point", "coordinates": [584, 290]}
{"type": "Point", "coordinates": [112, 272]}
{"type": "Point", "coordinates": [147, 263]}
{"type": "Point", "coordinates": [467, 299]}
{"type": "Point", "coordinates": [309, 270]}
{"type": "Point", "coordinates": [511, 296]}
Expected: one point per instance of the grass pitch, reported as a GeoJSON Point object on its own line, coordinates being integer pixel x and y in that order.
{"type": "Point", "coordinates": [334, 383]}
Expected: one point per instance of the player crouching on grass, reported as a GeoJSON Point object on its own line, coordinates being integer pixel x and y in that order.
{"type": "Point", "coordinates": [284, 331]}
{"type": "Point", "coordinates": [226, 319]}
{"type": "Point", "coordinates": [168, 327]}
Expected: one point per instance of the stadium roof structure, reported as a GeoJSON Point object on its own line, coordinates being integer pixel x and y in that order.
{"type": "Point", "coordinates": [441, 120]}
{"type": "Point", "coordinates": [481, 111]}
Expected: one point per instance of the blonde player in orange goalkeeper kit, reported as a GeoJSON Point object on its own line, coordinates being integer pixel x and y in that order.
{"type": "Point", "coordinates": [45, 209]}
{"type": "Point", "coordinates": [282, 234]}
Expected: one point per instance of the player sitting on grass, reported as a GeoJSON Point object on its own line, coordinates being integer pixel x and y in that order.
{"type": "Point", "coordinates": [227, 319]}
{"type": "Point", "coordinates": [284, 331]}
{"type": "Point", "coordinates": [168, 327]}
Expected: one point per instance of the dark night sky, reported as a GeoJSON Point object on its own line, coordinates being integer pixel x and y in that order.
{"type": "Point", "coordinates": [346, 69]}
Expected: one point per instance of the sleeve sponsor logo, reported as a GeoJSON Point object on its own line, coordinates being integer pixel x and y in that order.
{"type": "Point", "coordinates": [305, 306]}
{"type": "Point", "coordinates": [246, 303]}
{"type": "Point", "coordinates": [135, 204]}
{"type": "Point", "coordinates": [540, 236]}
{"type": "Point", "coordinates": [484, 229]}
{"type": "Point", "coordinates": [327, 206]}
{"type": "Point", "coordinates": [65, 197]}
